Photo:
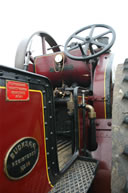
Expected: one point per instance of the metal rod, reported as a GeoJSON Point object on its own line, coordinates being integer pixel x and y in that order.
{"type": "Point", "coordinates": [84, 123]}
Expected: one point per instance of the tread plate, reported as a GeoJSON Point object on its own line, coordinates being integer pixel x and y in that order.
{"type": "Point", "coordinates": [77, 179]}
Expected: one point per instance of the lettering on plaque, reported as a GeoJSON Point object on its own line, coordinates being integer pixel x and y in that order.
{"type": "Point", "coordinates": [17, 91]}
{"type": "Point", "coordinates": [21, 158]}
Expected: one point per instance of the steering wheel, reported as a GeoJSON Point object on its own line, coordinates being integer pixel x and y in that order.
{"type": "Point", "coordinates": [23, 54]}
{"type": "Point", "coordinates": [89, 42]}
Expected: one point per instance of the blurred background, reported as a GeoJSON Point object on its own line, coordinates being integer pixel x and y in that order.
{"type": "Point", "coordinates": [19, 19]}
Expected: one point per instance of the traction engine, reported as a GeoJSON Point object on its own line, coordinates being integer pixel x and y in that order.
{"type": "Point", "coordinates": [58, 109]}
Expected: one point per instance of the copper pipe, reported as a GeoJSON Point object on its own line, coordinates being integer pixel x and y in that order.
{"type": "Point", "coordinates": [92, 113]}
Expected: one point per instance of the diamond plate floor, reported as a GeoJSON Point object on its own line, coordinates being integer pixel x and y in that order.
{"type": "Point", "coordinates": [77, 179]}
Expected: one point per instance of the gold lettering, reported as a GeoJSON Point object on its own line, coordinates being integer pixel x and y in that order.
{"type": "Point", "coordinates": [24, 166]}
{"type": "Point", "coordinates": [30, 144]}
{"type": "Point", "coordinates": [26, 143]}
{"type": "Point", "coordinates": [34, 146]}
{"type": "Point", "coordinates": [19, 147]}
{"type": "Point", "coordinates": [22, 159]}
{"type": "Point", "coordinates": [17, 89]}
{"type": "Point", "coordinates": [27, 163]}
{"type": "Point", "coordinates": [17, 84]}
{"type": "Point", "coordinates": [16, 163]}
{"type": "Point", "coordinates": [18, 92]}
{"type": "Point", "coordinates": [13, 164]}
{"type": "Point", "coordinates": [19, 161]}
{"type": "Point", "coordinates": [12, 155]}
{"type": "Point", "coordinates": [15, 150]}
{"type": "Point", "coordinates": [22, 144]}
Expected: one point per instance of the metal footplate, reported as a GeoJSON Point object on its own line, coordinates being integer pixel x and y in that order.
{"type": "Point", "coordinates": [78, 178]}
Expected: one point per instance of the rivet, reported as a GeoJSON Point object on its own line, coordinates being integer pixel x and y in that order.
{"type": "Point", "coordinates": [47, 85]}
{"type": "Point", "coordinates": [97, 124]}
{"type": "Point", "coordinates": [109, 124]}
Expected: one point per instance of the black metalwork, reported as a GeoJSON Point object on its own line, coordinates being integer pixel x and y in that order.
{"type": "Point", "coordinates": [92, 144]}
{"type": "Point", "coordinates": [88, 42]}
{"type": "Point", "coordinates": [76, 125]}
{"type": "Point", "coordinates": [83, 107]}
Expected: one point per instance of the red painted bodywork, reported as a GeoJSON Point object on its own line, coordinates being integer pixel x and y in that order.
{"type": "Point", "coordinates": [99, 86]}
{"type": "Point", "coordinates": [73, 72]}
{"type": "Point", "coordinates": [25, 121]}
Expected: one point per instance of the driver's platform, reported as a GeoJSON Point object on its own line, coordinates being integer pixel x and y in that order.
{"type": "Point", "coordinates": [78, 178]}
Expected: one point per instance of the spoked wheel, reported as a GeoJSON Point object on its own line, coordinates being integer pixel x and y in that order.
{"type": "Point", "coordinates": [87, 39]}
{"type": "Point", "coordinates": [24, 54]}
{"type": "Point", "coordinates": [119, 182]}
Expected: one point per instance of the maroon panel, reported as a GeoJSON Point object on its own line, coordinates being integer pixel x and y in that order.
{"type": "Point", "coordinates": [99, 87]}
{"type": "Point", "coordinates": [104, 150]}
{"type": "Point", "coordinates": [73, 72]}
{"type": "Point", "coordinates": [18, 120]}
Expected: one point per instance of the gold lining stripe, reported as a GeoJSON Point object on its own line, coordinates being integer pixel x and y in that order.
{"type": "Point", "coordinates": [105, 91]}
{"type": "Point", "coordinates": [44, 136]}
{"type": "Point", "coordinates": [38, 91]}
{"type": "Point", "coordinates": [3, 87]}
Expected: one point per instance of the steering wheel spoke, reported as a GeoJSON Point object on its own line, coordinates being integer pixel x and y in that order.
{"type": "Point", "coordinates": [92, 30]}
{"type": "Point", "coordinates": [86, 49]}
{"type": "Point", "coordinates": [73, 47]}
{"type": "Point", "coordinates": [102, 34]}
{"type": "Point", "coordinates": [78, 37]}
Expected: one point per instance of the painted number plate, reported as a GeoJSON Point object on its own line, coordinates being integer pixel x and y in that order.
{"type": "Point", "coordinates": [17, 91]}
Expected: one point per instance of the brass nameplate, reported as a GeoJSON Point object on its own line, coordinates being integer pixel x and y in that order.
{"type": "Point", "coordinates": [21, 158]}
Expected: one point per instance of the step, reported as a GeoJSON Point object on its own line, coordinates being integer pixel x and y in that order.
{"type": "Point", "coordinates": [78, 178]}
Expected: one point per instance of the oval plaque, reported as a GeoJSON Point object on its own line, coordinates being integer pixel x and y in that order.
{"type": "Point", "coordinates": [21, 158]}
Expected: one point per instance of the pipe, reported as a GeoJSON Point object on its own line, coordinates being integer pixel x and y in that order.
{"type": "Point", "coordinates": [92, 113]}
{"type": "Point", "coordinates": [92, 144]}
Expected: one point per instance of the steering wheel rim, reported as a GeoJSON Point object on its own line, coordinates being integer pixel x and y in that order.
{"type": "Point", "coordinates": [22, 48]}
{"type": "Point", "coordinates": [88, 41]}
